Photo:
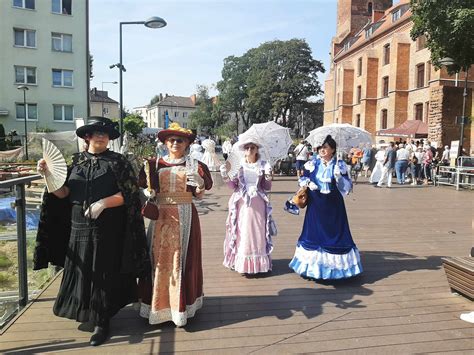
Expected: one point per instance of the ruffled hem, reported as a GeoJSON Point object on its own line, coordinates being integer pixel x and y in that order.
{"type": "Point", "coordinates": [248, 264]}
{"type": "Point", "coordinates": [166, 315]}
{"type": "Point", "coordinates": [319, 264]}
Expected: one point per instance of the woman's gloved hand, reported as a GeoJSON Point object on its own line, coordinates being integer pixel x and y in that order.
{"type": "Point", "coordinates": [223, 170]}
{"type": "Point", "coordinates": [195, 179]}
{"type": "Point", "coordinates": [95, 209]}
{"type": "Point", "coordinates": [42, 167]}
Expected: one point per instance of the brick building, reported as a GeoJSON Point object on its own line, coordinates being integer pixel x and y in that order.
{"type": "Point", "coordinates": [380, 78]}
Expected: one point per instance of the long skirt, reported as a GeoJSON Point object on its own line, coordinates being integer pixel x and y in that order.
{"type": "Point", "coordinates": [247, 252]}
{"type": "Point", "coordinates": [175, 291]}
{"type": "Point", "coordinates": [325, 249]}
{"type": "Point", "coordinates": [376, 173]}
{"type": "Point", "coordinates": [92, 287]}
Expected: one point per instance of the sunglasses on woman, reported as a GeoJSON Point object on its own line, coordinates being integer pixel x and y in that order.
{"type": "Point", "coordinates": [176, 140]}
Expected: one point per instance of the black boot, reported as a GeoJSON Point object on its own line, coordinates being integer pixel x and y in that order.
{"type": "Point", "coordinates": [101, 332]}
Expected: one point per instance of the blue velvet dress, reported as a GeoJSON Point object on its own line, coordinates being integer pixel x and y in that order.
{"type": "Point", "coordinates": [325, 249]}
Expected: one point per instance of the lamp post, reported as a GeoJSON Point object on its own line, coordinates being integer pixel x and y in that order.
{"type": "Point", "coordinates": [152, 22]}
{"type": "Point", "coordinates": [105, 82]}
{"type": "Point", "coordinates": [25, 88]}
{"type": "Point", "coordinates": [448, 62]}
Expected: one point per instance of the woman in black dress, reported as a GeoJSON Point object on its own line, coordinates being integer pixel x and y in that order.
{"type": "Point", "coordinates": [106, 248]}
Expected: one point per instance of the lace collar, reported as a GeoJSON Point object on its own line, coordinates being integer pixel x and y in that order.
{"type": "Point", "coordinates": [167, 159]}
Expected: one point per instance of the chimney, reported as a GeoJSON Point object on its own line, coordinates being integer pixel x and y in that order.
{"type": "Point", "coordinates": [193, 99]}
{"type": "Point", "coordinates": [161, 96]}
{"type": "Point", "coordinates": [377, 15]}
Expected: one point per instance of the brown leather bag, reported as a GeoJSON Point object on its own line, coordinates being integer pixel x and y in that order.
{"type": "Point", "coordinates": [150, 210]}
{"type": "Point", "coordinates": [300, 199]}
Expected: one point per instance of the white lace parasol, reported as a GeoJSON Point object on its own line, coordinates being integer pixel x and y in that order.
{"type": "Point", "coordinates": [345, 135]}
{"type": "Point", "coordinates": [56, 173]}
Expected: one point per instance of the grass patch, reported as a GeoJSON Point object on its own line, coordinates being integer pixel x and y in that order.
{"type": "Point", "coordinates": [5, 261]}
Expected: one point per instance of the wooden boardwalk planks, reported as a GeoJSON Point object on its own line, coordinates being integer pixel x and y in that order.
{"type": "Point", "coordinates": [401, 304]}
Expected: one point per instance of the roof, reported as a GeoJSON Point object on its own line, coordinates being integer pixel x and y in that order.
{"type": "Point", "coordinates": [409, 128]}
{"type": "Point", "coordinates": [385, 24]}
{"type": "Point", "coordinates": [100, 96]}
{"type": "Point", "coordinates": [180, 101]}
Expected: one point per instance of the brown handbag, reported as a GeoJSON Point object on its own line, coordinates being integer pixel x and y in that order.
{"type": "Point", "coordinates": [149, 209]}
{"type": "Point", "coordinates": [300, 199]}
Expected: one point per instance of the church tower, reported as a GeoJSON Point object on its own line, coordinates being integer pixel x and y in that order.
{"type": "Point", "coordinates": [352, 15]}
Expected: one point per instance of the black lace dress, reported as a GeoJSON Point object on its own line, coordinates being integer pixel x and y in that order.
{"type": "Point", "coordinates": [93, 288]}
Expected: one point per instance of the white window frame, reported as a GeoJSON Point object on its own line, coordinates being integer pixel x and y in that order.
{"type": "Point", "coordinates": [61, 8]}
{"type": "Point", "coordinates": [28, 104]}
{"type": "Point", "coordinates": [396, 15]}
{"type": "Point", "coordinates": [25, 37]}
{"type": "Point", "coordinates": [63, 113]}
{"type": "Point", "coordinates": [25, 75]}
{"type": "Point", "coordinates": [62, 78]}
{"type": "Point", "coordinates": [60, 36]}
{"type": "Point", "coordinates": [23, 5]}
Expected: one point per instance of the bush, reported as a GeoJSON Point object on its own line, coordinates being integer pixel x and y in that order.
{"type": "Point", "coordinates": [3, 143]}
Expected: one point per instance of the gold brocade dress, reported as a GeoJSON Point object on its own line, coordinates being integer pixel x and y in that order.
{"type": "Point", "coordinates": [175, 291]}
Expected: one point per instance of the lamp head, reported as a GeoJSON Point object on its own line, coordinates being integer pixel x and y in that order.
{"type": "Point", "coordinates": [155, 22]}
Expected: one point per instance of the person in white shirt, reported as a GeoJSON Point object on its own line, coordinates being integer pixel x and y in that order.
{"type": "Point", "coordinates": [401, 164]}
{"type": "Point", "coordinates": [226, 148]}
{"type": "Point", "coordinates": [377, 171]}
{"type": "Point", "coordinates": [301, 152]}
{"type": "Point", "coordinates": [445, 157]}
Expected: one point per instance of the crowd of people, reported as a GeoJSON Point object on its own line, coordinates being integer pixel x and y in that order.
{"type": "Point", "coordinates": [110, 260]}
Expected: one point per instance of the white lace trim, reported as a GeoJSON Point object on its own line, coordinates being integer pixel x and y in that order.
{"type": "Point", "coordinates": [333, 261]}
{"type": "Point", "coordinates": [166, 315]}
{"type": "Point", "coordinates": [167, 159]}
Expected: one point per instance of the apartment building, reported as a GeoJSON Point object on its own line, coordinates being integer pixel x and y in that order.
{"type": "Point", "coordinates": [44, 50]}
{"type": "Point", "coordinates": [179, 109]}
{"type": "Point", "coordinates": [380, 78]}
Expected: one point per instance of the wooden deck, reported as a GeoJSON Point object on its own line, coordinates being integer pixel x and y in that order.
{"type": "Point", "coordinates": [401, 304]}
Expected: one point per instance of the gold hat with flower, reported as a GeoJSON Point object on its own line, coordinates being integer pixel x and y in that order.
{"type": "Point", "coordinates": [176, 130]}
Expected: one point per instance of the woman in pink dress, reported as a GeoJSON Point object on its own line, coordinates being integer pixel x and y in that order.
{"type": "Point", "coordinates": [249, 226]}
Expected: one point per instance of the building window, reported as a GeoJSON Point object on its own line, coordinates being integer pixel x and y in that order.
{"type": "Point", "coordinates": [359, 94]}
{"type": "Point", "coordinates": [61, 42]}
{"type": "Point", "coordinates": [63, 113]}
{"type": "Point", "coordinates": [369, 7]}
{"type": "Point", "coordinates": [386, 54]}
{"type": "Point", "coordinates": [25, 75]}
{"type": "Point", "coordinates": [185, 125]}
{"type": "Point", "coordinates": [368, 32]}
{"type": "Point", "coordinates": [24, 38]}
{"type": "Point", "coordinates": [419, 112]}
{"type": "Point", "coordinates": [185, 114]}
{"type": "Point", "coordinates": [427, 110]}
{"type": "Point", "coordinates": [428, 72]}
{"type": "Point", "coordinates": [176, 114]}
{"type": "Point", "coordinates": [105, 111]}
{"type": "Point", "coordinates": [24, 4]}
{"type": "Point", "coordinates": [62, 77]}
{"type": "Point", "coordinates": [31, 110]}
{"type": "Point", "coordinates": [420, 75]}
{"type": "Point", "coordinates": [385, 86]}
{"type": "Point", "coordinates": [357, 120]}
{"type": "Point", "coordinates": [61, 7]}
{"type": "Point", "coordinates": [359, 66]}
{"type": "Point", "coordinates": [396, 15]}
{"type": "Point", "coordinates": [383, 120]}
{"type": "Point", "coordinates": [421, 42]}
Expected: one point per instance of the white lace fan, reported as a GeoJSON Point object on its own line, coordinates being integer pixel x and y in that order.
{"type": "Point", "coordinates": [57, 169]}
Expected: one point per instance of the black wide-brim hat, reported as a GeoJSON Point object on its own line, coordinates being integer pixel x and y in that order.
{"type": "Point", "coordinates": [101, 124]}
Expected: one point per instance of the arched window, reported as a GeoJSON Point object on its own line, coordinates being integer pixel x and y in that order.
{"type": "Point", "coordinates": [369, 7]}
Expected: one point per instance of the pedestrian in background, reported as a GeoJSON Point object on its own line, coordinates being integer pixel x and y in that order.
{"type": "Point", "coordinates": [388, 166]}
{"type": "Point", "coordinates": [301, 153]}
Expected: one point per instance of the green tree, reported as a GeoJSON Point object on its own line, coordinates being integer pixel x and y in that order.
{"type": "Point", "coordinates": [449, 29]}
{"type": "Point", "coordinates": [133, 124]}
{"type": "Point", "coordinates": [155, 99]}
{"type": "Point", "coordinates": [202, 117]}
{"type": "Point", "coordinates": [270, 82]}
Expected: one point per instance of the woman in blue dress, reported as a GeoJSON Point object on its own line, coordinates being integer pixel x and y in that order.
{"type": "Point", "coordinates": [325, 249]}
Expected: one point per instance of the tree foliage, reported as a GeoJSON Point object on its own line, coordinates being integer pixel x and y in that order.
{"type": "Point", "coordinates": [449, 29]}
{"type": "Point", "coordinates": [269, 82]}
{"type": "Point", "coordinates": [133, 124]}
{"type": "Point", "coordinates": [202, 117]}
{"type": "Point", "coordinates": [155, 99]}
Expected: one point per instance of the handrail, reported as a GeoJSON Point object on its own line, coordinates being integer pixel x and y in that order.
{"type": "Point", "coordinates": [20, 205]}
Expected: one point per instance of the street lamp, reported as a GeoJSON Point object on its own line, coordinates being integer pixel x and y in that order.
{"type": "Point", "coordinates": [449, 62]}
{"type": "Point", "coordinates": [105, 82]}
{"type": "Point", "coordinates": [25, 88]}
{"type": "Point", "coordinates": [152, 22]}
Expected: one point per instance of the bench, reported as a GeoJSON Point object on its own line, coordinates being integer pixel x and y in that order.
{"type": "Point", "coordinates": [460, 274]}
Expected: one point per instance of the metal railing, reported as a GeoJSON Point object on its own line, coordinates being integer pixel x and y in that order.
{"type": "Point", "coordinates": [20, 206]}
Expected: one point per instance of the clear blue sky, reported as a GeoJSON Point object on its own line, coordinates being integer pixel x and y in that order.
{"type": "Point", "coordinates": [199, 35]}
